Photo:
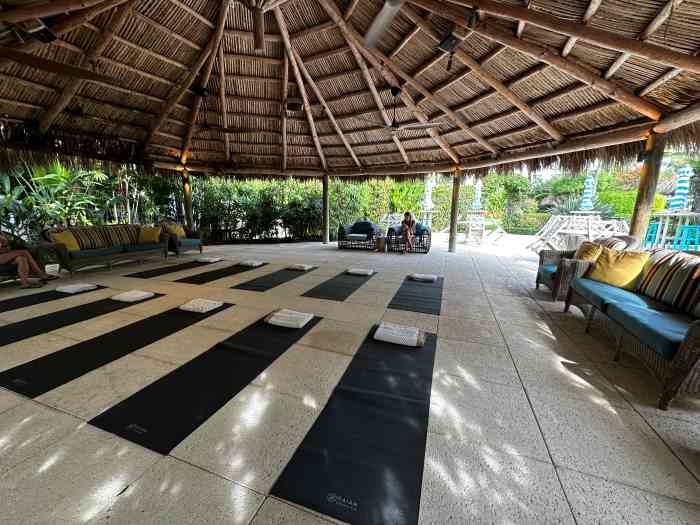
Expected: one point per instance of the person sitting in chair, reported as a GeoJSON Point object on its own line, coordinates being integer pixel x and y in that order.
{"type": "Point", "coordinates": [26, 265]}
{"type": "Point", "coordinates": [408, 228]}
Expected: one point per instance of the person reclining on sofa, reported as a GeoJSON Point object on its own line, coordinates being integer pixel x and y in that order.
{"type": "Point", "coordinates": [26, 265]}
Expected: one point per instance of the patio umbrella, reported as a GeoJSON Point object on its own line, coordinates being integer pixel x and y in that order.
{"type": "Point", "coordinates": [679, 200]}
{"type": "Point", "coordinates": [589, 189]}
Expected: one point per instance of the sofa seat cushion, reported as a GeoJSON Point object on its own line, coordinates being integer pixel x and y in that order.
{"type": "Point", "coordinates": [97, 252]}
{"type": "Point", "coordinates": [189, 243]}
{"type": "Point", "coordinates": [143, 247]}
{"type": "Point", "coordinates": [601, 295]}
{"type": "Point", "coordinates": [663, 331]}
{"type": "Point", "coordinates": [421, 229]}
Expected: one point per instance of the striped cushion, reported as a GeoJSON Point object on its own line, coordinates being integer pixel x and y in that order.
{"type": "Point", "coordinates": [117, 234]}
{"type": "Point", "coordinates": [673, 278]}
{"type": "Point", "coordinates": [88, 237]}
{"type": "Point", "coordinates": [612, 243]}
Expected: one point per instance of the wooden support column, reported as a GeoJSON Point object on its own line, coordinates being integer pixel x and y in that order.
{"type": "Point", "coordinates": [187, 198]}
{"type": "Point", "coordinates": [326, 210]}
{"type": "Point", "coordinates": [648, 181]}
{"type": "Point", "coordinates": [454, 210]}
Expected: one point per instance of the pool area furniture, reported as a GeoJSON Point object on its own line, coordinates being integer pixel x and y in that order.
{"type": "Point", "coordinates": [362, 235]}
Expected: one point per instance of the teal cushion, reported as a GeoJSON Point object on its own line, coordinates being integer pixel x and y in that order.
{"type": "Point", "coordinates": [421, 229]}
{"type": "Point", "coordinates": [97, 252]}
{"type": "Point", "coordinates": [663, 331]}
{"type": "Point", "coordinates": [144, 247]}
{"type": "Point", "coordinates": [601, 295]}
{"type": "Point", "coordinates": [188, 243]}
{"type": "Point", "coordinates": [547, 273]}
{"type": "Point", "coordinates": [365, 227]}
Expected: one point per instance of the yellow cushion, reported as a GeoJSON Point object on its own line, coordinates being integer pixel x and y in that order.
{"type": "Point", "coordinates": [588, 251]}
{"type": "Point", "coordinates": [149, 235]}
{"type": "Point", "coordinates": [176, 230]}
{"type": "Point", "coordinates": [67, 238]}
{"type": "Point", "coordinates": [618, 268]}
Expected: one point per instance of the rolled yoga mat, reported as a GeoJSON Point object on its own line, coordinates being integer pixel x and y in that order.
{"type": "Point", "coordinates": [38, 298]}
{"type": "Point", "coordinates": [420, 297]}
{"type": "Point", "coordinates": [21, 330]}
{"type": "Point", "coordinates": [164, 413]}
{"type": "Point", "coordinates": [164, 270]}
{"type": "Point", "coordinates": [339, 287]}
{"type": "Point", "coordinates": [362, 461]}
{"type": "Point", "coordinates": [213, 275]}
{"type": "Point", "coordinates": [270, 281]}
{"type": "Point", "coordinates": [37, 377]}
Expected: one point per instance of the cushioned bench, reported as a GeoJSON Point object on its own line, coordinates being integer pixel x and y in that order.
{"type": "Point", "coordinates": [103, 245]}
{"type": "Point", "coordinates": [361, 235]}
{"type": "Point", "coordinates": [397, 243]}
{"type": "Point", "coordinates": [181, 239]}
{"type": "Point", "coordinates": [656, 321]}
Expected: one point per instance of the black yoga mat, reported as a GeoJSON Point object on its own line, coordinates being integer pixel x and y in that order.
{"type": "Point", "coordinates": [37, 377]}
{"type": "Point", "coordinates": [415, 296]}
{"type": "Point", "coordinates": [164, 270]}
{"type": "Point", "coordinates": [362, 461]}
{"type": "Point", "coordinates": [164, 413]}
{"type": "Point", "coordinates": [339, 287]}
{"type": "Point", "coordinates": [46, 323]}
{"type": "Point", "coordinates": [37, 298]}
{"type": "Point", "coordinates": [272, 280]}
{"type": "Point", "coordinates": [213, 275]}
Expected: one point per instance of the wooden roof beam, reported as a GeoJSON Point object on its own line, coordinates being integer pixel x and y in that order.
{"type": "Point", "coordinates": [591, 10]}
{"type": "Point", "coordinates": [68, 24]}
{"type": "Point", "coordinates": [353, 38]}
{"type": "Point", "coordinates": [222, 101]}
{"type": "Point", "coordinates": [194, 14]}
{"type": "Point", "coordinates": [74, 84]}
{"type": "Point", "coordinates": [377, 99]}
{"type": "Point", "coordinates": [661, 17]}
{"type": "Point", "coordinates": [597, 37]}
{"type": "Point", "coordinates": [300, 83]}
{"type": "Point", "coordinates": [479, 71]}
{"type": "Point", "coordinates": [319, 97]}
{"type": "Point", "coordinates": [351, 9]}
{"type": "Point", "coordinates": [57, 7]}
{"type": "Point", "coordinates": [179, 90]}
{"type": "Point", "coordinates": [213, 47]}
{"type": "Point", "coordinates": [285, 94]}
{"type": "Point", "coordinates": [543, 54]}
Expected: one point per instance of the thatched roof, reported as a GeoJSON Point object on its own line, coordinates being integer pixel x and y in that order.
{"type": "Point", "coordinates": [508, 102]}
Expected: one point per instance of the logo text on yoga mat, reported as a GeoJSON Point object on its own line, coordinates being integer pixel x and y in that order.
{"type": "Point", "coordinates": [137, 429]}
{"type": "Point", "coordinates": [342, 501]}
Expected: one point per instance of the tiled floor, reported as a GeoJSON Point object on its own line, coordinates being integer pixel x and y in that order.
{"type": "Point", "coordinates": [530, 420]}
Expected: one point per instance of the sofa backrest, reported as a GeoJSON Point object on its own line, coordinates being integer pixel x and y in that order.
{"type": "Point", "coordinates": [94, 237]}
{"type": "Point", "coordinates": [672, 278]}
{"type": "Point", "coordinates": [363, 227]}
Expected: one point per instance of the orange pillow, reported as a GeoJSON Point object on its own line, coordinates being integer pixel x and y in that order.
{"type": "Point", "coordinates": [176, 230]}
{"type": "Point", "coordinates": [588, 251]}
{"type": "Point", "coordinates": [618, 268]}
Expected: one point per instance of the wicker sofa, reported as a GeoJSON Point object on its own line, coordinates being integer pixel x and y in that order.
{"type": "Point", "coordinates": [362, 235]}
{"type": "Point", "coordinates": [396, 243]}
{"type": "Point", "coordinates": [557, 269]}
{"type": "Point", "coordinates": [103, 245]}
{"type": "Point", "coordinates": [664, 336]}
{"type": "Point", "coordinates": [178, 245]}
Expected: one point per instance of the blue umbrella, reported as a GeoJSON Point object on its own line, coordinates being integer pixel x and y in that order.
{"type": "Point", "coordinates": [476, 203]}
{"type": "Point", "coordinates": [679, 200]}
{"type": "Point", "coordinates": [589, 189]}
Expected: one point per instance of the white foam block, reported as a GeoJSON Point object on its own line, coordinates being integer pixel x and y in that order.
{"type": "Point", "coordinates": [289, 318]}
{"type": "Point", "coordinates": [201, 306]}
{"type": "Point", "coordinates": [133, 296]}
{"type": "Point", "coordinates": [76, 288]}
{"type": "Point", "coordinates": [423, 277]}
{"type": "Point", "coordinates": [400, 335]}
{"type": "Point", "coordinates": [210, 259]}
{"type": "Point", "coordinates": [251, 264]}
{"type": "Point", "coordinates": [301, 267]}
{"type": "Point", "coordinates": [359, 271]}
{"type": "Point", "coordinates": [356, 236]}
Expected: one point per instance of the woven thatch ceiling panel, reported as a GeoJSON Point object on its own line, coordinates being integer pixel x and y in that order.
{"type": "Point", "coordinates": [149, 58]}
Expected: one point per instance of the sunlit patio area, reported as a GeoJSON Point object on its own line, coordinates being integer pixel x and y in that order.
{"type": "Point", "coordinates": [529, 419]}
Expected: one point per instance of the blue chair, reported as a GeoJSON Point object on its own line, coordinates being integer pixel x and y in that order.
{"type": "Point", "coordinates": [651, 234]}
{"type": "Point", "coordinates": [687, 238]}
